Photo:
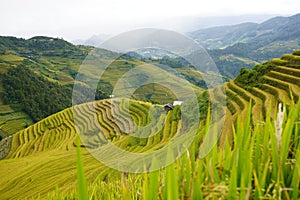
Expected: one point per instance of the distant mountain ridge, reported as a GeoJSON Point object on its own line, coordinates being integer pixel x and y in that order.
{"type": "Point", "coordinates": [233, 47]}
{"type": "Point", "coordinates": [247, 44]}
{"type": "Point", "coordinates": [277, 28]}
{"type": "Point", "coordinates": [94, 40]}
{"type": "Point", "coordinates": [182, 25]}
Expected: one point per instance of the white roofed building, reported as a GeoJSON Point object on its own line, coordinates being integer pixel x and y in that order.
{"type": "Point", "coordinates": [177, 103]}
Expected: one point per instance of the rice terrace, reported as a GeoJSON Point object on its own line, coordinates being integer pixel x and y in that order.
{"type": "Point", "coordinates": [153, 126]}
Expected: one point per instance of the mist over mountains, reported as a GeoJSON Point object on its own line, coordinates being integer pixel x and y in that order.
{"type": "Point", "coordinates": [180, 24]}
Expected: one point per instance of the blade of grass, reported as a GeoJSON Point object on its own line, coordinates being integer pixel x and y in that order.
{"type": "Point", "coordinates": [233, 183]}
{"type": "Point", "coordinates": [286, 138]}
{"type": "Point", "coordinates": [296, 177]}
{"type": "Point", "coordinates": [82, 187]}
{"type": "Point", "coordinates": [171, 185]}
{"type": "Point", "coordinates": [154, 180]}
{"type": "Point", "coordinates": [197, 190]}
{"type": "Point", "coordinates": [146, 194]}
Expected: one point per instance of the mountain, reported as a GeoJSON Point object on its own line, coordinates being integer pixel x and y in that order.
{"type": "Point", "coordinates": [191, 24]}
{"type": "Point", "coordinates": [182, 25]}
{"type": "Point", "coordinates": [275, 29]}
{"type": "Point", "coordinates": [40, 161]}
{"type": "Point", "coordinates": [223, 36]}
{"type": "Point", "coordinates": [243, 45]}
{"type": "Point", "coordinates": [94, 40]}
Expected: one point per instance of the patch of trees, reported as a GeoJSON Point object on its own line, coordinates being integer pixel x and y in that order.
{"type": "Point", "coordinates": [40, 45]}
{"type": "Point", "coordinates": [171, 63]}
{"type": "Point", "coordinates": [230, 68]}
{"type": "Point", "coordinates": [40, 97]}
{"type": "Point", "coordinates": [195, 81]}
{"type": "Point", "coordinates": [253, 77]}
{"type": "Point", "coordinates": [37, 96]}
{"type": "Point", "coordinates": [180, 62]}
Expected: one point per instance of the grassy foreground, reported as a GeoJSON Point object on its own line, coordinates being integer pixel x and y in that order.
{"type": "Point", "coordinates": [261, 164]}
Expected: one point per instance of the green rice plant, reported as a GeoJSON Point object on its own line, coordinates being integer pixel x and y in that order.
{"type": "Point", "coordinates": [296, 177]}
{"type": "Point", "coordinates": [171, 182]}
{"type": "Point", "coordinates": [82, 187]}
{"type": "Point", "coordinates": [151, 187]}
{"type": "Point", "coordinates": [185, 176]}
{"type": "Point", "coordinates": [287, 136]}
{"type": "Point", "coordinates": [198, 177]}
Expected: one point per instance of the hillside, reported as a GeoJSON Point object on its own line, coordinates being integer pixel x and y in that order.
{"type": "Point", "coordinates": [266, 85]}
{"type": "Point", "coordinates": [273, 30]}
{"type": "Point", "coordinates": [42, 157]}
{"type": "Point", "coordinates": [48, 62]}
{"type": "Point", "coordinates": [244, 45]}
{"type": "Point", "coordinates": [37, 77]}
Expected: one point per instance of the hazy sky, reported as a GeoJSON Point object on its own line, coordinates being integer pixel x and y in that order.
{"type": "Point", "coordinates": [73, 19]}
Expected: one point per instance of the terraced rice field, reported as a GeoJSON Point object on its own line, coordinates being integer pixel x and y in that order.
{"type": "Point", "coordinates": [44, 154]}
{"type": "Point", "coordinates": [282, 85]}
{"type": "Point", "coordinates": [111, 121]}
{"type": "Point", "coordinates": [52, 141]}
{"type": "Point", "coordinates": [12, 120]}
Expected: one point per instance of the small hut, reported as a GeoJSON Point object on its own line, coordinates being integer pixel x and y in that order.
{"type": "Point", "coordinates": [168, 107]}
{"type": "Point", "coordinates": [177, 103]}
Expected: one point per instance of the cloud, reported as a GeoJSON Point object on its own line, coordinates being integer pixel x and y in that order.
{"type": "Point", "coordinates": [74, 18]}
